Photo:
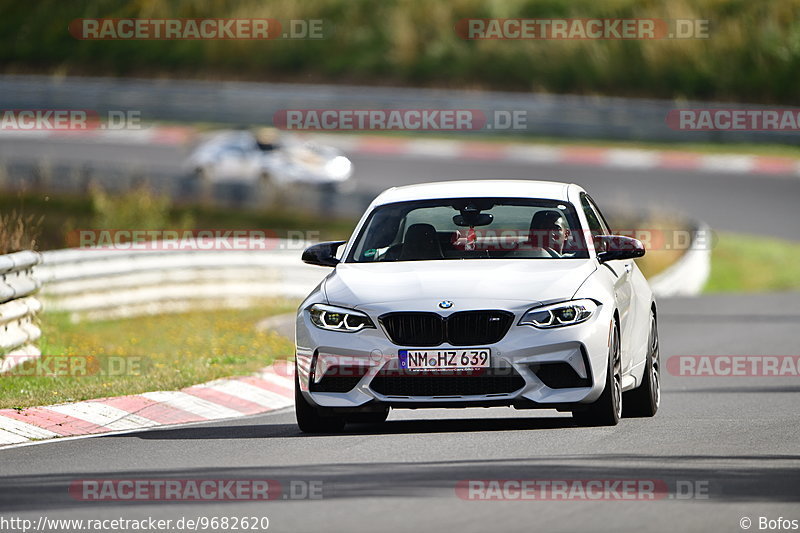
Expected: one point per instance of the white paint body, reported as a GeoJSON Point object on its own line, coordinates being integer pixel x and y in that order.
{"type": "Point", "coordinates": [512, 285]}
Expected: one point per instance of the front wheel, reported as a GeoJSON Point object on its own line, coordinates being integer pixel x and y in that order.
{"type": "Point", "coordinates": [643, 401]}
{"type": "Point", "coordinates": [309, 418]}
{"type": "Point", "coordinates": [607, 409]}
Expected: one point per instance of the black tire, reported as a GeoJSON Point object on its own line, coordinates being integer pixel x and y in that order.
{"type": "Point", "coordinates": [607, 409]}
{"type": "Point", "coordinates": [643, 401]}
{"type": "Point", "coordinates": [375, 418]}
{"type": "Point", "coordinates": [309, 418]}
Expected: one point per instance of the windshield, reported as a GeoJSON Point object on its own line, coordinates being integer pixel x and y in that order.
{"type": "Point", "coordinates": [470, 228]}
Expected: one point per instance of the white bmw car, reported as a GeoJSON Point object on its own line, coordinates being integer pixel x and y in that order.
{"type": "Point", "coordinates": [478, 293]}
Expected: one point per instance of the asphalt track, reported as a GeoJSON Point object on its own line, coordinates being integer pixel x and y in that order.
{"type": "Point", "coordinates": [734, 440]}
{"type": "Point", "coordinates": [727, 201]}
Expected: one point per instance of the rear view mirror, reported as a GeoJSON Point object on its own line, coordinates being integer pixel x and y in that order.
{"type": "Point", "coordinates": [473, 219]}
{"type": "Point", "coordinates": [613, 247]}
{"type": "Point", "coordinates": [322, 254]}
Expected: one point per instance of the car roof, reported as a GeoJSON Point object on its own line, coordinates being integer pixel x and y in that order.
{"type": "Point", "coordinates": [552, 190]}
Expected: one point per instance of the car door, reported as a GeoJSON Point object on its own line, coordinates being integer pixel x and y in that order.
{"type": "Point", "coordinates": [621, 274]}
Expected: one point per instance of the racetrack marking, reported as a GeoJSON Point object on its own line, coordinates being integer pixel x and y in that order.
{"type": "Point", "coordinates": [103, 415]}
{"type": "Point", "coordinates": [776, 165]}
{"type": "Point", "coordinates": [245, 391]}
{"type": "Point", "coordinates": [59, 423]}
{"type": "Point", "coordinates": [27, 431]}
{"type": "Point", "coordinates": [176, 135]}
{"type": "Point", "coordinates": [273, 386]}
{"type": "Point", "coordinates": [285, 381]}
{"type": "Point", "coordinates": [217, 396]}
{"type": "Point", "coordinates": [6, 437]}
{"type": "Point", "coordinates": [533, 153]}
{"type": "Point", "coordinates": [268, 391]}
{"type": "Point", "coordinates": [483, 150]}
{"type": "Point", "coordinates": [123, 432]}
{"type": "Point", "coordinates": [726, 163]}
{"type": "Point", "coordinates": [163, 414]}
{"type": "Point", "coordinates": [631, 158]}
{"type": "Point", "coordinates": [192, 404]}
{"type": "Point", "coordinates": [434, 148]}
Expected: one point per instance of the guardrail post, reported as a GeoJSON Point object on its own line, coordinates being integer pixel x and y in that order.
{"type": "Point", "coordinates": [19, 330]}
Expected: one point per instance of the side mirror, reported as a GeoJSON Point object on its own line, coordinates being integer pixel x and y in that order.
{"type": "Point", "coordinates": [611, 247]}
{"type": "Point", "coordinates": [322, 254]}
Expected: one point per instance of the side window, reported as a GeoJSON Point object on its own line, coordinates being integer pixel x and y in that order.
{"type": "Point", "coordinates": [603, 221]}
{"type": "Point", "coordinates": [595, 226]}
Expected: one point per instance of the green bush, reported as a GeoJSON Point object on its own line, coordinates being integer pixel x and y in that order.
{"type": "Point", "coordinates": [752, 54]}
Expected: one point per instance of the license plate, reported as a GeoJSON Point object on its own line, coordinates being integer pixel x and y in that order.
{"type": "Point", "coordinates": [444, 359]}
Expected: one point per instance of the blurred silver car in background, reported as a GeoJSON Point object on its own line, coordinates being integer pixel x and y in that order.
{"type": "Point", "coordinates": [267, 156]}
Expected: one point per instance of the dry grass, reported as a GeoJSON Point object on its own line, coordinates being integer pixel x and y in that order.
{"type": "Point", "coordinates": [18, 231]}
{"type": "Point", "coordinates": [663, 235]}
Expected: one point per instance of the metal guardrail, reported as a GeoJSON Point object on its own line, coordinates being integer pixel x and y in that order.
{"type": "Point", "coordinates": [569, 116]}
{"type": "Point", "coordinates": [688, 275]}
{"type": "Point", "coordinates": [92, 283]}
{"type": "Point", "coordinates": [110, 283]}
{"type": "Point", "coordinates": [18, 308]}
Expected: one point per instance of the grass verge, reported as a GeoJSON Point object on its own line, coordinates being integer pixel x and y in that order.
{"type": "Point", "coordinates": [660, 233]}
{"type": "Point", "coordinates": [750, 263]}
{"type": "Point", "coordinates": [163, 352]}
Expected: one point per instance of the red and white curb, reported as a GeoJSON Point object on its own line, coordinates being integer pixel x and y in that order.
{"type": "Point", "coordinates": [624, 158]}
{"type": "Point", "coordinates": [628, 158]}
{"type": "Point", "coordinates": [163, 135]}
{"type": "Point", "coordinates": [267, 390]}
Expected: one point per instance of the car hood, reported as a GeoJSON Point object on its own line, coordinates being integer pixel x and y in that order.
{"type": "Point", "coordinates": [528, 280]}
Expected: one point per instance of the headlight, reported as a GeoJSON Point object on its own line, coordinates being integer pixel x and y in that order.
{"type": "Point", "coordinates": [339, 318]}
{"type": "Point", "coordinates": [339, 168]}
{"type": "Point", "coordinates": [558, 315]}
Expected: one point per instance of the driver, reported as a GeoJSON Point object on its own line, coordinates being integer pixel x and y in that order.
{"type": "Point", "coordinates": [549, 231]}
{"type": "Point", "coordinates": [267, 139]}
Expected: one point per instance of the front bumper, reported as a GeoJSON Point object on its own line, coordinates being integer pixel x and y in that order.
{"type": "Point", "coordinates": [530, 367]}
